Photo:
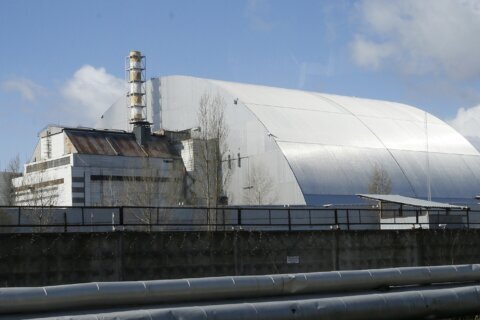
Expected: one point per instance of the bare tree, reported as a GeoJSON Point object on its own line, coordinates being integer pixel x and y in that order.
{"type": "Point", "coordinates": [40, 195]}
{"type": "Point", "coordinates": [380, 182]}
{"type": "Point", "coordinates": [11, 171]}
{"type": "Point", "coordinates": [212, 173]}
{"type": "Point", "coordinates": [7, 190]}
{"type": "Point", "coordinates": [260, 190]}
{"type": "Point", "coordinates": [145, 187]}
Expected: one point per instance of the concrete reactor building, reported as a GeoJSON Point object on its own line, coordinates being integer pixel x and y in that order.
{"type": "Point", "coordinates": [88, 167]}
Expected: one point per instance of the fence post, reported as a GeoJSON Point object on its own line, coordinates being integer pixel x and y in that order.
{"type": "Point", "coordinates": [83, 217]}
{"type": "Point", "coordinates": [348, 220]}
{"type": "Point", "coordinates": [223, 216]}
{"type": "Point", "coordinates": [208, 218]}
{"type": "Point", "coordinates": [149, 220]}
{"type": "Point", "coordinates": [468, 218]}
{"type": "Point", "coordinates": [19, 216]}
{"type": "Point", "coordinates": [65, 221]}
{"type": "Point", "coordinates": [120, 218]}
{"type": "Point", "coordinates": [336, 219]}
{"type": "Point", "coordinates": [289, 220]}
{"type": "Point", "coordinates": [239, 216]}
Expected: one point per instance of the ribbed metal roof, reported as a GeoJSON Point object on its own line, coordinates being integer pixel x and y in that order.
{"type": "Point", "coordinates": [111, 143]}
{"type": "Point", "coordinates": [332, 144]}
{"type": "Point", "coordinates": [414, 202]}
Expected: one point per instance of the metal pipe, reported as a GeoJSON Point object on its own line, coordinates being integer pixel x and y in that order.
{"type": "Point", "coordinates": [418, 304]}
{"type": "Point", "coordinates": [104, 294]}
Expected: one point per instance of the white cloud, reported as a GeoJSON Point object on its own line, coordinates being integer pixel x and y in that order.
{"type": "Point", "coordinates": [307, 69]}
{"type": "Point", "coordinates": [420, 37]}
{"type": "Point", "coordinates": [90, 92]}
{"type": "Point", "coordinates": [368, 53]}
{"type": "Point", "coordinates": [28, 89]}
{"type": "Point", "coordinates": [467, 121]}
{"type": "Point", "coordinates": [255, 11]}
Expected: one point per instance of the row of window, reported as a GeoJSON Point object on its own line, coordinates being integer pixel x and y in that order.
{"type": "Point", "coordinates": [128, 178]}
{"type": "Point", "coordinates": [39, 185]}
{"type": "Point", "coordinates": [76, 201]}
{"type": "Point", "coordinates": [118, 178]}
{"type": "Point", "coordinates": [47, 164]}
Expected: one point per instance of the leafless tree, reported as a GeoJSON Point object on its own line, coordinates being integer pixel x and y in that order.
{"type": "Point", "coordinates": [260, 190]}
{"type": "Point", "coordinates": [212, 174]}
{"type": "Point", "coordinates": [7, 196]}
{"type": "Point", "coordinates": [211, 171]}
{"type": "Point", "coordinates": [148, 188]}
{"type": "Point", "coordinates": [11, 171]}
{"type": "Point", "coordinates": [145, 187]}
{"type": "Point", "coordinates": [380, 182]}
{"type": "Point", "coordinates": [40, 195]}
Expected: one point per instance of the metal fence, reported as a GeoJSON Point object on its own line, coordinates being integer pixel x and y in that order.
{"type": "Point", "coordinates": [183, 218]}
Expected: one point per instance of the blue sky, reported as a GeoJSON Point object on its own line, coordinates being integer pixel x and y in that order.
{"type": "Point", "coordinates": [63, 61]}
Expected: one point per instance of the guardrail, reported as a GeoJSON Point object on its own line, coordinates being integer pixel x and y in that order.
{"type": "Point", "coordinates": [181, 218]}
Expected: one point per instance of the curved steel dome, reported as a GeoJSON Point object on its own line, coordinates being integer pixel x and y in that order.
{"type": "Point", "coordinates": [319, 148]}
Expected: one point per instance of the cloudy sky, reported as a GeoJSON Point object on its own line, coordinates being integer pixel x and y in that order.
{"type": "Point", "coordinates": [62, 62]}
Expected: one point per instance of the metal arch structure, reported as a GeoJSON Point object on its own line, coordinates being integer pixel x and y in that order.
{"type": "Point", "coordinates": [321, 148]}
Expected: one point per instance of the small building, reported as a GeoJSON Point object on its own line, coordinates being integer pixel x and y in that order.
{"type": "Point", "coordinates": [399, 212]}
{"type": "Point", "coordinates": [88, 167]}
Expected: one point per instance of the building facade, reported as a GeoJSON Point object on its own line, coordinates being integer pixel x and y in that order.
{"type": "Point", "coordinates": [86, 167]}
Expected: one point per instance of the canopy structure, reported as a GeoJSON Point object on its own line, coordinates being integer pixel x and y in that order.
{"type": "Point", "coordinates": [316, 148]}
{"type": "Point", "coordinates": [414, 202]}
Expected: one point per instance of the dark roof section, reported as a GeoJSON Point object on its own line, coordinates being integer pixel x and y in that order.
{"type": "Point", "coordinates": [113, 143]}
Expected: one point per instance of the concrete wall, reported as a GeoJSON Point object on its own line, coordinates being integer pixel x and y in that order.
{"type": "Point", "coordinates": [48, 259]}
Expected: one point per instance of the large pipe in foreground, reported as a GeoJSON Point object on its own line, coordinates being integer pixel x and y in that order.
{"type": "Point", "coordinates": [413, 304]}
{"type": "Point", "coordinates": [17, 300]}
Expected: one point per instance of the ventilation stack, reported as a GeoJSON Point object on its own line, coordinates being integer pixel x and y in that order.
{"type": "Point", "coordinates": [135, 74]}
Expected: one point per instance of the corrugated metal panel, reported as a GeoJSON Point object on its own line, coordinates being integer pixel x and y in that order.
{"type": "Point", "coordinates": [117, 143]}
{"type": "Point", "coordinates": [324, 169]}
{"type": "Point", "coordinates": [307, 117]}
{"type": "Point", "coordinates": [306, 126]}
{"type": "Point", "coordinates": [334, 152]}
{"type": "Point", "coordinates": [89, 143]}
{"type": "Point", "coordinates": [394, 198]}
{"type": "Point", "coordinates": [158, 146]}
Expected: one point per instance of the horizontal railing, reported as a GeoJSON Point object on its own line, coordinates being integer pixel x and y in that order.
{"type": "Point", "coordinates": [181, 218]}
